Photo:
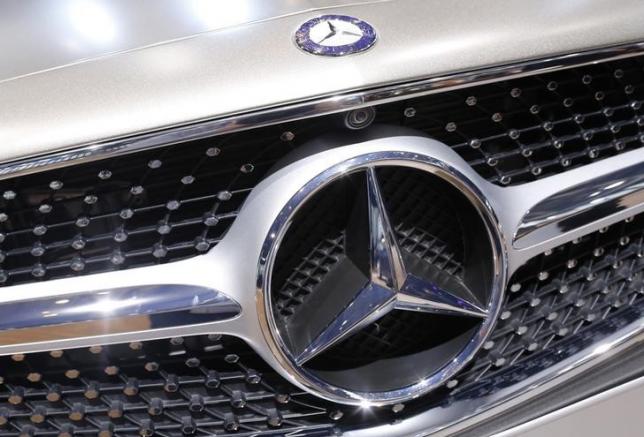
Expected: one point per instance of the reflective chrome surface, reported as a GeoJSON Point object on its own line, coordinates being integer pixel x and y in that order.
{"type": "Point", "coordinates": [111, 311]}
{"type": "Point", "coordinates": [574, 207]}
{"type": "Point", "coordinates": [390, 287]}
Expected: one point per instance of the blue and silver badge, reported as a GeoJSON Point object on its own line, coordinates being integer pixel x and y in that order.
{"type": "Point", "coordinates": [335, 35]}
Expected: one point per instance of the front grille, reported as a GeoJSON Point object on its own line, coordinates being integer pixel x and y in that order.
{"type": "Point", "coordinates": [134, 210]}
{"type": "Point", "coordinates": [594, 284]}
{"type": "Point", "coordinates": [184, 386]}
{"type": "Point", "coordinates": [178, 201]}
{"type": "Point", "coordinates": [521, 130]}
{"type": "Point", "coordinates": [558, 304]}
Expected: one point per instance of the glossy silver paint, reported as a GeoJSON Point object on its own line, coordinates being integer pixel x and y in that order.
{"type": "Point", "coordinates": [390, 287]}
{"type": "Point", "coordinates": [321, 106]}
{"type": "Point", "coordinates": [571, 208]}
{"type": "Point", "coordinates": [40, 35]}
{"type": "Point", "coordinates": [214, 74]}
{"type": "Point", "coordinates": [615, 412]}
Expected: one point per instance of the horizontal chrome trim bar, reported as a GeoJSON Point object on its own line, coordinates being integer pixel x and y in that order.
{"type": "Point", "coordinates": [322, 106]}
{"type": "Point", "coordinates": [112, 311]}
{"type": "Point", "coordinates": [580, 205]}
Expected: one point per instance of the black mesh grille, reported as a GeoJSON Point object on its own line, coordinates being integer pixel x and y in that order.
{"type": "Point", "coordinates": [175, 202]}
{"type": "Point", "coordinates": [524, 129]}
{"type": "Point", "coordinates": [558, 304]}
{"type": "Point", "coordinates": [183, 386]}
{"type": "Point", "coordinates": [139, 209]}
{"type": "Point", "coordinates": [557, 296]}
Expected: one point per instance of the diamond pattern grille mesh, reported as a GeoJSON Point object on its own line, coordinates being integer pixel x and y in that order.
{"type": "Point", "coordinates": [427, 225]}
{"type": "Point", "coordinates": [183, 386]}
{"type": "Point", "coordinates": [178, 201]}
{"type": "Point", "coordinates": [139, 209]}
{"type": "Point", "coordinates": [528, 128]}
{"type": "Point", "coordinates": [563, 292]}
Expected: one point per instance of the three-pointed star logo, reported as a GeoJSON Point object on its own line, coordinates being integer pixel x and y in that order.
{"type": "Point", "coordinates": [395, 280]}
{"type": "Point", "coordinates": [339, 35]}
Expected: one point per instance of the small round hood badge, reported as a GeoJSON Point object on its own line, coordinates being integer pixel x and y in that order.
{"type": "Point", "coordinates": [335, 35]}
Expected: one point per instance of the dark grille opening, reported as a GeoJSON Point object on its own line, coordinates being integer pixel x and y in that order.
{"type": "Point", "coordinates": [178, 201]}
{"type": "Point", "coordinates": [561, 302]}
{"type": "Point", "coordinates": [185, 386]}
{"type": "Point", "coordinates": [202, 386]}
{"type": "Point", "coordinates": [525, 129]}
{"type": "Point", "coordinates": [139, 209]}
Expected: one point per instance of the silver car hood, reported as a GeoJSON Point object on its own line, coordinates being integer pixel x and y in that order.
{"type": "Point", "coordinates": [37, 35]}
{"type": "Point", "coordinates": [120, 68]}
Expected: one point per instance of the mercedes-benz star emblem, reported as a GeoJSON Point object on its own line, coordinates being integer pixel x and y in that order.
{"type": "Point", "coordinates": [359, 281]}
{"type": "Point", "coordinates": [390, 286]}
{"type": "Point", "coordinates": [335, 35]}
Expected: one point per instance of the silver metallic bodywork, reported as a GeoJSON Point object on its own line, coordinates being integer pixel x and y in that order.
{"type": "Point", "coordinates": [117, 100]}
{"type": "Point", "coordinates": [74, 31]}
{"type": "Point", "coordinates": [216, 73]}
{"type": "Point", "coordinates": [615, 412]}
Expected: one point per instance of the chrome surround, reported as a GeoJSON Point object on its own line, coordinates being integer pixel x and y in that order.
{"type": "Point", "coordinates": [391, 287]}
{"type": "Point", "coordinates": [317, 107]}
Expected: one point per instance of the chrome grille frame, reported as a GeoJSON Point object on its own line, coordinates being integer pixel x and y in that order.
{"type": "Point", "coordinates": [517, 207]}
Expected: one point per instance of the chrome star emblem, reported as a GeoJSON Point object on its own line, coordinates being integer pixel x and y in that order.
{"type": "Point", "coordinates": [391, 286]}
{"type": "Point", "coordinates": [362, 257]}
{"type": "Point", "coordinates": [335, 35]}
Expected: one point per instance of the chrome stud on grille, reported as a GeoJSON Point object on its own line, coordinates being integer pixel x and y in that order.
{"type": "Point", "coordinates": [213, 151]}
{"type": "Point", "coordinates": [155, 163]}
{"type": "Point", "coordinates": [187, 180]}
